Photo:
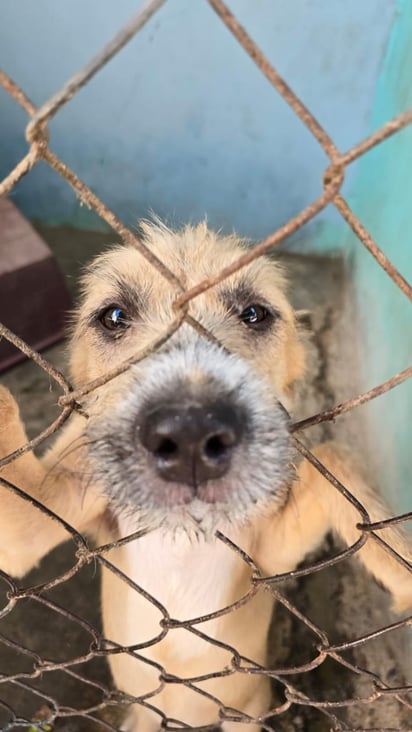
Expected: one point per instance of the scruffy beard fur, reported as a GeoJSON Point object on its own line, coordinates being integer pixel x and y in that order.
{"type": "Point", "coordinates": [260, 469]}
{"type": "Point", "coordinates": [106, 478]}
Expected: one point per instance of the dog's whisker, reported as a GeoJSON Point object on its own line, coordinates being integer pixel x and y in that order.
{"type": "Point", "coordinates": [81, 441]}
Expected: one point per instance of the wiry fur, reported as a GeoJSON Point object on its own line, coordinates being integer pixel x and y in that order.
{"type": "Point", "coordinates": [98, 469]}
{"type": "Point", "coordinates": [260, 465]}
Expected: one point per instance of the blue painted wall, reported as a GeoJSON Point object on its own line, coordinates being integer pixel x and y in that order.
{"type": "Point", "coordinates": [381, 195]}
{"type": "Point", "coordinates": [182, 122]}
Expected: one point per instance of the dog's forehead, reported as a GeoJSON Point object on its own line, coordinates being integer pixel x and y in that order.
{"type": "Point", "coordinates": [192, 255]}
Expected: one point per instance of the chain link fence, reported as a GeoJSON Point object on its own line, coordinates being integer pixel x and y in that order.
{"type": "Point", "coordinates": [102, 696]}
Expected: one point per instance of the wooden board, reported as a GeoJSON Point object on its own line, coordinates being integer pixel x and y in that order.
{"type": "Point", "coordinates": [33, 294]}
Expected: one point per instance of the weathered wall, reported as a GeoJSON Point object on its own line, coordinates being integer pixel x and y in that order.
{"type": "Point", "coordinates": [381, 195]}
{"type": "Point", "coordinates": [181, 121]}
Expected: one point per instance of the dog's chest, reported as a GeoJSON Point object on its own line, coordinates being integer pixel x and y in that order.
{"type": "Point", "coordinates": [190, 577]}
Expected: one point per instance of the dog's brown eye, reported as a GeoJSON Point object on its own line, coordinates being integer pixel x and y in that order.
{"type": "Point", "coordinates": [114, 319]}
{"type": "Point", "coordinates": [254, 315]}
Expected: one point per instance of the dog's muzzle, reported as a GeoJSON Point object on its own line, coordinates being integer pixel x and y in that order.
{"type": "Point", "coordinates": [193, 435]}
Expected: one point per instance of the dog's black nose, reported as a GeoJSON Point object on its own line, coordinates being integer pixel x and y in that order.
{"type": "Point", "coordinates": [192, 444]}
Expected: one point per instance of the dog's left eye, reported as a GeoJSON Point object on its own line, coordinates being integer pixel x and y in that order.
{"type": "Point", "coordinates": [254, 315]}
{"type": "Point", "coordinates": [114, 319]}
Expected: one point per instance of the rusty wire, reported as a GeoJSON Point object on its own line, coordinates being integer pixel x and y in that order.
{"type": "Point", "coordinates": [39, 149]}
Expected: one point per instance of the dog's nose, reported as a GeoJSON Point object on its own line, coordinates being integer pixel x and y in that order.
{"type": "Point", "coordinates": [192, 444]}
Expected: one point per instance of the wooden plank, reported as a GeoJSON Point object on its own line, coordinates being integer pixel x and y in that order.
{"type": "Point", "coordinates": [33, 294]}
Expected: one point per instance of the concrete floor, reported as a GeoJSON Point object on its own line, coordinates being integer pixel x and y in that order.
{"type": "Point", "coordinates": [341, 600]}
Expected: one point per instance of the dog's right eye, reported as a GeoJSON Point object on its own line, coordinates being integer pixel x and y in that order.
{"type": "Point", "coordinates": [114, 319]}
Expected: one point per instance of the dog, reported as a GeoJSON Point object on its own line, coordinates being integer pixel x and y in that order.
{"type": "Point", "coordinates": [189, 445]}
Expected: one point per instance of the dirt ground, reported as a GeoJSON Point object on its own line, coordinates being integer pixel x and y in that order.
{"type": "Point", "coordinates": [340, 600]}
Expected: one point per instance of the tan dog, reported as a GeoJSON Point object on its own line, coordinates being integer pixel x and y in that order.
{"type": "Point", "coordinates": [191, 440]}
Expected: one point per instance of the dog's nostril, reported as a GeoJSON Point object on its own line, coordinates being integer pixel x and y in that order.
{"type": "Point", "coordinates": [219, 446]}
{"type": "Point", "coordinates": [166, 449]}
